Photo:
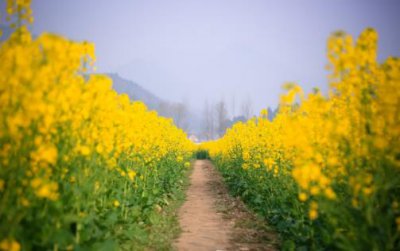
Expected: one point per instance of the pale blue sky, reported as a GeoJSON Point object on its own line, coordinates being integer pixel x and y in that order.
{"type": "Point", "coordinates": [212, 49]}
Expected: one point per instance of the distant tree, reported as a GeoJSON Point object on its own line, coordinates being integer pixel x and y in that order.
{"type": "Point", "coordinates": [177, 111]}
{"type": "Point", "coordinates": [221, 115]}
{"type": "Point", "coordinates": [208, 117]}
{"type": "Point", "coordinates": [164, 109]}
{"type": "Point", "coordinates": [233, 107]}
{"type": "Point", "coordinates": [247, 109]}
{"type": "Point", "coordinates": [180, 115]}
{"type": "Point", "coordinates": [235, 120]}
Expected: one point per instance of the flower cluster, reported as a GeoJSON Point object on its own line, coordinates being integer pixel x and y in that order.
{"type": "Point", "coordinates": [341, 150]}
{"type": "Point", "coordinates": [74, 155]}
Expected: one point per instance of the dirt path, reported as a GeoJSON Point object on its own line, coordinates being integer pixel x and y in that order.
{"type": "Point", "coordinates": [203, 228]}
{"type": "Point", "coordinates": [211, 220]}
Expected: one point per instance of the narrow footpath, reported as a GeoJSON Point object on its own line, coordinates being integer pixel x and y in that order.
{"type": "Point", "coordinates": [212, 220]}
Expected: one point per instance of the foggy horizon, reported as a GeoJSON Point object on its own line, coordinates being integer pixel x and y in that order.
{"type": "Point", "coordinates": [211, 50]}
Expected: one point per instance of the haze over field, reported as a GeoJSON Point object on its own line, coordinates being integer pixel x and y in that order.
{"type": "Point", "coordinates": [220, 49]}
{"type": "Point", "coordinates": [240, 52]}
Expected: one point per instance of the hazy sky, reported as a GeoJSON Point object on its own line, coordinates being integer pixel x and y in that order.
{"type": "Point", "coordinates": [213, 49]}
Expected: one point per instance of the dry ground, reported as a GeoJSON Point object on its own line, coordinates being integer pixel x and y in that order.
{"type": "Point", "coordinates": [212, 220]}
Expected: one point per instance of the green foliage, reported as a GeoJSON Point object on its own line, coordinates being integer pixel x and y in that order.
{"type": "Point", "coordinates": [202, 154]}
{"type": "Point", "coordinates": [86, 217]}
{"type": "Point", "coordinates": [275, 198]}
{"type": "Point", "coordinates": [339, 225]}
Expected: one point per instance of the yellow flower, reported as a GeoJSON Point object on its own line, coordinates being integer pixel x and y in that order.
{"type": "Point", "coordinates": [269, 162]}
{"type": "Point", "coordinates": [9, 245]}
{"type": "Point", "coordinates": [83, 150]}
{"type": "Point", "coordinates": [47, 190]}
{"type": "Point", "coordinates": [313, 214]}
{"type": "Point", "coordinates": [303, 196]}
{"type": "Point", "coordinates": [45, 153]}
{"type": "Point", "coordinates": [264, 113]}
{"type": "Point", "coordinates": [324, 141]}
{"type": "Point", "coordinates": [368, 191]}
{"type": "Point", "coordinates": [53, 115]}
{"type": "Point", "coordinates": [314, 190]}
{"type": "Point", "coordinates": [24, 202]}
{"type": "Point", "coordinates": [330, 194]}
{"type": "Point", "coordinates": [35, 183]}
{"type": "Point", "coordinates": [1, 185]}
{"type": "Point", "coordinates": [246, 156]}
{"type": "Point", "coordinates": [131, 174]}
{"type": "Point", "coordinates": [96, 186]}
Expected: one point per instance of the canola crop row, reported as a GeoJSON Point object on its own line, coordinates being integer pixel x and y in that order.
{"type": "Point", "coordinates": [326, 170]}
{"type": "Point", "coordinates": [81, 166]}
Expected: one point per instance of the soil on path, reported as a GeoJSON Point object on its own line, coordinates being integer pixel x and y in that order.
{"type": "Point", "coordinates": [212, 220]}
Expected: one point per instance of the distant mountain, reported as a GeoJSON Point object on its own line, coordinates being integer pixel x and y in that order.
{"type": "Point", "coordinates": [181, 114]}
{"type": "Point", "coordinates": [135, 91]}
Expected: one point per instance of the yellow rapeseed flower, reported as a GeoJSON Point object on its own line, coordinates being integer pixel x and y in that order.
{"type": "Point", "coordinates": [131, 174]}
{"type": "Point", "coordinates": [45, 153]}
{"type": "Point", "coordinates": [9, 245]}
{"type": "Point", "coordinates": [1, 185]}
{"type": "Point", "coordinates": [302, 196]}
{"type": "Point", "coordinates": [313, 214]}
